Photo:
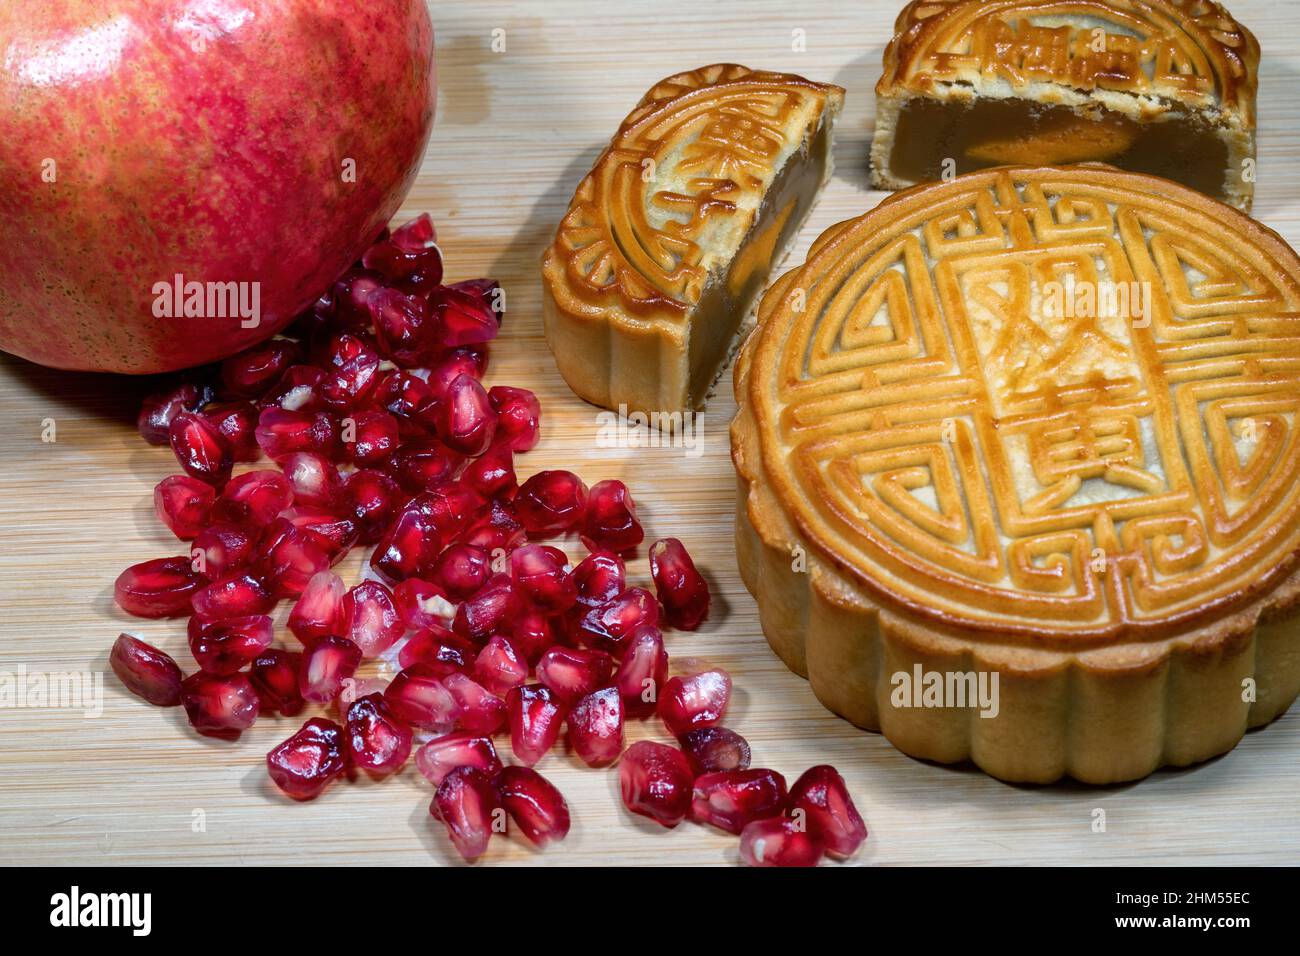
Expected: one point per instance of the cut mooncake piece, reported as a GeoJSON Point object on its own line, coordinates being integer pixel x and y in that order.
{"type": "Point", "coordinates": [671, 237]}
{"type": "Point", "coordinates": [1019, 462]}
{"type": "Point", "coordinates": [1165, 87]}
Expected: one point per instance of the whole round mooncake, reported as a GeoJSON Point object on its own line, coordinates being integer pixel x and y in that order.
{"type": "Point", "coordinates": [1018, 472]}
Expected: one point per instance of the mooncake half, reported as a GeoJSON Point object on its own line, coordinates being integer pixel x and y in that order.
{"type": "Point", "coordinates": [1019, 472]}
{"type": "Point", "coordinates": [671, 237]}
{"type": "Point", "coordinates": [1165, 87]}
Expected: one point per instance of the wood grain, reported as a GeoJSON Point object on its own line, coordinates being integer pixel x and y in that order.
{"type": "Point", "coordinates": [515, 132]}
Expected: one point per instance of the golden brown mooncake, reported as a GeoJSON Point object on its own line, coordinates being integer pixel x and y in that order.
{"type": "Point", "coordinates": [950, 465]}
{"type": "Point", "coordinates": [672, 236]}
{"type": "Point", "coordinates": [1165, 87]}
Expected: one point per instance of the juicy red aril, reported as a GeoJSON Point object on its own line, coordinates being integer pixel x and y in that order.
{"type": "Point", "coordinates": [408, 546]}
{"type": "Point", "coordinates": [304, 765]}
{"type": "Point", "coordinates": [496, 528]}
{"type": "Point", "coordinates": [274, 676]}
{"type": "Point", "coordinates": [481, 711]}
{"type": "Point", "coordinates": [254, 370]}
{"type": "Point", "coordinates": [711, 749]}
{"type": "Point", "coordinates": [254, 497]}
{"type": "Point", "coordinates": [378, 742]}
{"type": "Point", "coordinates": [407, 333]}
{"type": "Point", "coordinates": [462, 361]}
{"type": "Point", "coordinates": [779, 841]}
{"type": "Point", "coordinates": [499, 666]}
{"type": "Point", "coordinates": [287, 558]}
{"type": "Point", "coordinates": [442, 755]}
{"type": "Point", "coordinates": [222, 548]}
{"type": "Point", "coordinates": [409, 399]}
{"type": "Point", "coordinates": [643, 671]}
{"type": "Point", "coordinates": [409, 257]}
{"type": "Point", "coordinates": [699, 700]}
{"type": "Point", "coordinates": [237, 422]}
{"type": "Point", "coordinates": [599, 578]}
{"type": "Point", "coordinates": [533, 633]}
{"type": "Point", "coordinates": [820, 800]}
{"type": "Point", "coordinates": [280, 431]}
{"type": "Point", "coordinates": [681, 588]}
{"type": "Point", "coordinates": [346, 301]}
{"type": "Point", "coordinates": [202, 451]}
{"type": "Point", "coordinates": [417, 696]}
{"type": "Point", "coordinates": [536, 717]}
{"type": "Point", "coordinates": [352, 373]}
{"type": "Point", "coordinates": [488, 612]}
{"type": "Point", "coordinates": [325, 666]}
{"type": "Point", "coordinates": [229, 645]}
{"type": "Point", "coordinates": [423, 465]}
{"type": "Point", "coordinates": [610, 520]}
{"type": "Point", "coordinates": [439, 649]}
{"type": "Point", "coordinates": [236, 595]}
{"type": "Point", "coordinates": [356, 688]}
{"type": "Point", "coordinates": [493, 472]}
{"type": "Point", "coordinates": [219, 706]}
{"type": "Point", "coordinates": [373, 499]}
{"type": "Point", "coordinates": [159, 410]}
{"type": "Point", "coordinates": [418, 603]}
{"type": "Point", "coordinates": [730, 799]}
{"type": "Point", "coordinates": [655, 780]}
{"type": "Point", "coordinates": [333, 534]}
{"type": "Point", "coordinates": [314, 479]}
{"type": "Point", "coordinates": [465, 312]}
{"type": "Point", "coordinates": [466, 422]}
{"type": "Point", "coordinates": [572, 673]}
{"type": "Point", "coordinates": [298, 390]}
{"type": "Point", "coordinates": [451, 506]}
{"type": "Point", "coordinates": [519, 416]}
{"type": "Point", "coordinates": [374, 437]}
{"type": "Point", "coordinates": [183, 504]}
{"type": "Point", "coordinates": [540, 576]}
{"type": "Point", "coordinates": [609, 626]}
{"type": "Point", "coordinates": [319, 609]}
{"type": "Point", "coordinates": [468, 806]}
{"type": "Point", "coordinates": [551, 501]}
{"type": "Point", "coordinates": [532, 801]}
{"type": "Point", "coordinates": [146, 671]}
{"type": "Point", "coordinates": [596, 727]}
{"type": "Point", "coordinates": [162, 587]}
{"type": "Point", "coordinates": [371, 616]}
{"type": "Point", "coordinates": [460, 571]}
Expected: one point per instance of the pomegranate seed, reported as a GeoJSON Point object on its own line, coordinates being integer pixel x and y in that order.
{"type": "Point", "coordinates": [610, 521]}
{"type": "Point", "coordinates": [442, 755]}
{"type": "Point", "coordinates": [421, 603]}
{"type": "Point", "coordinates": [159, 410]}
{"type": "Point", "coordinates": [519, 416]}
{"type": "Point", "coordinates": [183, 504]}
{"type": "Point", "coordinates": [371, 618]}
{"type": "Point", "coordinates": [229, 645]}
{"type": "Point", "coordinates": [493, 472]}
{"type": "Point", "coordinates": [162, 587]}
{"type": "Point", "coordinates": [536, 716]}
{"type": "Point", "coordinates": [202, 451]}
{"type": "Point", "coordinates": [439, 649]}
{"type": "Point", "coordinates": [374, 437]}
{"type": "Point", "coordinates": [352, 373]}
{"type": "Point", "coordinates": [499, 666]}
{"type": "Point", "coordinates": [466, 422]}
{"type": "Point", "coordinates": [304, 765]}
{"type": "Point", "coordinates": [236, 421]}
{"type": "Point", "coordinates": [496, 529]}
{"type": "Point", "coordinates": [409, 399]}
{"type": "Point", "coordinates": [699, 700]}
{"type": "Point", "coordinates": [314, 479]}
{"type": "Point", "coordinates": [451, 506]}
{"type": "Point", "coordinates": [711, 749]}
{"type": "Point", "coordinates": [255, 497]}
{"type": "Point", "coordinates": [481, 711]}
{"type": "Point", "coordinates": [281, 432]}
{"type": "Point", "coordinates": [488, 612]}
{"type": "Point", "coordinates": [349, 297]}
{"type": "Point", "coordinates": [410, 545]}
{"type": "Point", "coordinates": [464, 313]}
{"type": "Point", "coordinates": [378, 742]}
{"type": "Point", "coordinates": [461, 361]}
{"type": "Point", "coordinates": [778, 841]}
{"type": "Point", "coordinates": [221, 549]}
{"type": "Point", "coordinates": [596, 727]}
{"type": "Point", "coordinates": [298, 390]}
{"type": "Point", "coordinates": [274, 676]}
{"type": "Point", "coordinates": [540, 577]}
{"type": "Point", "coordinates": [599, 578]}
{"type": "Point", "coordinates": [256, 369]}
{"type": "Point", "coordinates": [333, 534]}
{"type": "Point", "coordinates": [532, 801]}
{"type": "Point", "coordinates": [681, 588]}
{"type": "Point", "coordinates": [288, 558]}
{"type": "Point", "coordinates": [373, 499]}
{"type": "Point", "coordinates": [820, 799]}
{"type": "Point", "coordinates": [609, 626]}
{"type": "Point", "coordinates": [468, 806]}
{"type": "Point", "coordinates": [219, 706]}
{"type": "Point", "coordinates": [410, 256]}
{"type": "Point", "coordinates": [533, 633]}
{"type": "Point", "coordinates": [460, 571]}
{"type": "Point", "coordinates": [325, 666]}
{"type": "Point", "coordinates": [417, 696]}
{"type": "Point", "coordinates": [643, 671]}
{"type": "Point", "coordinates": [146, 671]}
{"type": "Point", "coordinates": [319, 609]}
{"type": "Point", "coordinates": [236, 595]}
{"type": "Point", "coordinates": [423, 465]}
{"type": "Point", "coordinates": [551, 502]}
{"type": "Point", "coordinates": [572, 673]}
{"type": "Point", "coordinates": [730, 799]}
{"type": "Point", "coordinates": [354, 688]}
{"type": "Point", "coordinates": [656, 782]}
{"type": "Point", "coordinates": [407, 333]}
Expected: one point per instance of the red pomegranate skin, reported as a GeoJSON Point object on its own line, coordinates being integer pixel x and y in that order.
{"type": "Point", "coordinates": [201, 137]}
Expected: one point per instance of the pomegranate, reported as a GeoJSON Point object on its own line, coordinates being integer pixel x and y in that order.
{"type": "Point", "coordinates": [596, 727]}
{"type": "Point", "coordinates": [468, 806]}
{"type": "Point", "coordinates": [820, 799]}
{"type": "Point", "coordinates": [229, 645]}
{"type": "Point", "coordinates": [202, 451]}
{"type": "Point", "coordinates": [417, 696]}
{"type": "Point", "coordinates": [779, 841]}
{"type": "Point", "coordinates": [571, 673]}
{"type": "Point", "coordinates": [610, 520]}
{"type": "Point", "coordinates": [536, 807]}
{"type": "Point", "coordinates": [536, 716]}
{"type": "Point", "coordinates": [183, 504]}
{"type": "Point", "coordinates": [551, 502]}
{"type": "Point", "coordinates": [325, 666]}
{"type": "Point", "coordinates": [146, 671]}
{"type": "Point", "coordinates": [643, 671]}
{"type": "Point", "coordinates": [160, 408]}
{"type": "Point", "coordinates": [274, 675]}
{"type": "Point", "coordinates": [371, 618]}
{"type": "Point", "coordinates": [162, 587]}
{"type": "Point", "coordinates": [699, 700]}
{"type": "Point", "coordinates": [681, 588]}
{"type": "Point", "coordinates": [710, 749]}
{"type": "Point", "coordinates": [499, 666]}
{"type": "Point", "coordinates": [442, 755]}
{"type": "Point", "coordinates": [730, 799]}
{"type": "Point", "coordinates": [319, 609]}
{"type": "Point", "coordinates": [481, 711]}
{"type": "Point", "coordinates": [518, 415]}
{"type": "Point", "coordinates": [378, 742]}
{"type": "Point", "coordinates": [608, 627]}
{"type": "Point", "coordinates": [655, 781]}
{"type": "Point", "coordinates": [307, 762]}
{"type": "Point", "coordinates": [219, 706]}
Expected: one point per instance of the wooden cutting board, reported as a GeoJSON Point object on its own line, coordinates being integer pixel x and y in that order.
{"type": "Point", "coordinates": [516, 130]}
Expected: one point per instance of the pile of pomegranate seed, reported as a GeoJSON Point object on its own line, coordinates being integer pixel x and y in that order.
{"type": "Point", "coordinates": [372, 409]}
